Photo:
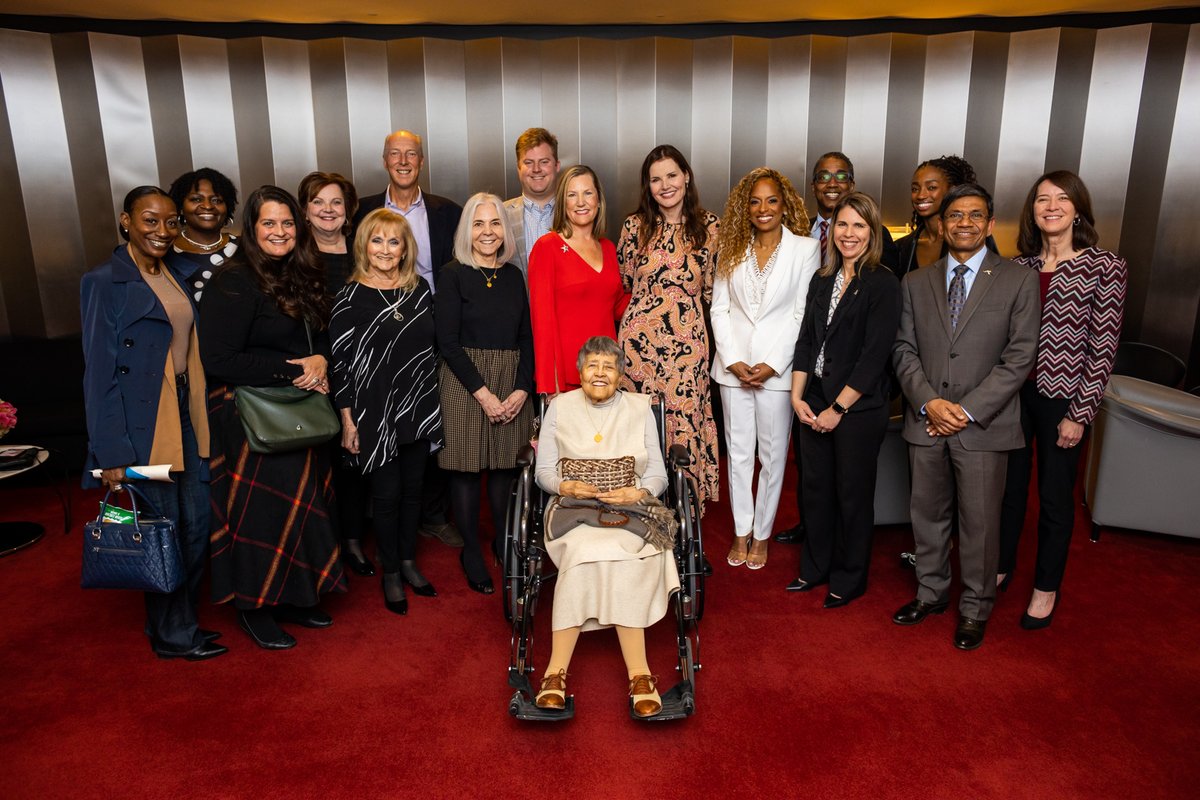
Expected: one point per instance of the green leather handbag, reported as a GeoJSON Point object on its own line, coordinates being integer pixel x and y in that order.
{"type": "Point", "coordinates": [278, 419]}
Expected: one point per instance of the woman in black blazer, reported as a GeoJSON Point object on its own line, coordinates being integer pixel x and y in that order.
{"type": "Point", "coordinates": [840, 394]}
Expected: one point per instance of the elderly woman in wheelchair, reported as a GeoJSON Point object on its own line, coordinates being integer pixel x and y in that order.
{"type": "Point", "coordinates": [605, 529]}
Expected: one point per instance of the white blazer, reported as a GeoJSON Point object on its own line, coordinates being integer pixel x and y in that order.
{"type": "Point", "coordinates": [769, 338]}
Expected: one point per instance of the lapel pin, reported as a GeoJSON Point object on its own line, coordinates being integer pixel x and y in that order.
{"type": "Point", "coordinates": [987, 272]}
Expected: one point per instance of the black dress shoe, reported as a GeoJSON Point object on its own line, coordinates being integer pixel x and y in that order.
{"type": "Point", "coordinates": [1037, 623]}
{"type": "Point", "coordinates": [917, 611]}
{"type": "Point", "coordinates": [801, 585]}
{"type": "Point", "coordinates": [393, 585]}
{"type": "Point", "coordinates": [484, 586]}
{"type": "Point", "coordinates": [210, 636]}
{"type": "Point", "coordinates": [424, 590]}
{"type": "Point", "coordinates": [202, 652]}
{"type": "Point", "coordinates": [259, 627]}
{"type": "Point", "coordinates": [793, 535]}
{"type": "Point", "coordinates": [360, 565]}
{"type": "Point", "coordinates": [413, 577]}
{"type": "Point", "coordinates": [312, 617]}
{"type": "Point", "coordinates": [833, 601]}
{"type": "Point", "coordinates": [969, 633]}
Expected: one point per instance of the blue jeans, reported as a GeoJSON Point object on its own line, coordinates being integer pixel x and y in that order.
{"type": "Point", "coordinates": [171, 621]}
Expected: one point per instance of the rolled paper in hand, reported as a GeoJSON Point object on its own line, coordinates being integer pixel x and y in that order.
{"type": "Point", "coordinates": [153, 472]}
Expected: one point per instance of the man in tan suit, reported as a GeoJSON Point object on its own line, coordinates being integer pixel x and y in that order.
{"type": "Point", "coordinates": [967, 340]}
{"type": "Point", "coordinates": [530, 214]}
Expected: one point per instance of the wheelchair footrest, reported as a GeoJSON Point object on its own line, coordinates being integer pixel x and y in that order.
{"type": "Point", "coordinates": [522, 705]}
{"type": "Point", "coordinates": [679, 702]}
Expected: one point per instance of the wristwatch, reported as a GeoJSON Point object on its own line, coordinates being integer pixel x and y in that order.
{"type": "Point", "coordinates": [839, 408]}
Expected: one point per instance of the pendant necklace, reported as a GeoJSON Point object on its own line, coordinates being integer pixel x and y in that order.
{"type": "Point", "coordinates": [598, 437]}
{"type": "Point", "coordinates": [491, 278]}
{"type": "Point", "coordinates": [202, 247]}
{"type": "Point", "coordinates": [392, 307]}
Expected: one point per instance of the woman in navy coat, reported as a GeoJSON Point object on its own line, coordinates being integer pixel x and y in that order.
{"type": "Point", "coordinates": [144, 391]}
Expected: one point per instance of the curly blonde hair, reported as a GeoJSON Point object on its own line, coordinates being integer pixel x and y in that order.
{"type": "Point", "coordinates": [736, 228]}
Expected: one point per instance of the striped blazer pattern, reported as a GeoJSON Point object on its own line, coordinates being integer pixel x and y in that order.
{"type": "Point", "coordinates": [1081, 325]}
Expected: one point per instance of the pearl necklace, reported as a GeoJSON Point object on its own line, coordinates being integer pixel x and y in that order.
{"type": "Point", "coordinates": [202, 247]}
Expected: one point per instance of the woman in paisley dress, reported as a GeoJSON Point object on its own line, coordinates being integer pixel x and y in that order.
{"type": "Point", "coordinates": [668, 255]}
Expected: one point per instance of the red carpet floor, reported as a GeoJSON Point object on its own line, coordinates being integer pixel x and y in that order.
{"type": "Point", "coordinates": [793, 700]}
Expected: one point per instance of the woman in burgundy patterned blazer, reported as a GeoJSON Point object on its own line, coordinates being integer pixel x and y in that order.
{"type": "Point", "coordinates": [1083, 302]}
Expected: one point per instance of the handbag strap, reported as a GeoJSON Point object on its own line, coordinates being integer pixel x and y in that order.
{"type": "Point", "coordinates": [134, 494]}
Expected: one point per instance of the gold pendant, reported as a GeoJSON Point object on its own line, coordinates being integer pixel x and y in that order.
{"type": "Point", "coordinates": [489, 284]}
{"type": "Point", "coordinates": [598, 437]}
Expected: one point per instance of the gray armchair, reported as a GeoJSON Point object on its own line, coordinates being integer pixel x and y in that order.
{"type": "Point", "coordinates": [1144, 460]}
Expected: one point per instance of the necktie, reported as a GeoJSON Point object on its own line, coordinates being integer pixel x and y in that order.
{"type": "Point", "coordinates": [824, 240]}
{"type": "Point", "coordinates": [957, 294]}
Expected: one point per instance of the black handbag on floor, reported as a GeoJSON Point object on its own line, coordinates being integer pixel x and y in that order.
{"type": "Point", "coordinates": [142, 555]}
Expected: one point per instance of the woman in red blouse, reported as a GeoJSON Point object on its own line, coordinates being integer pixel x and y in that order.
{"type": "Point", "coordinates": [575, 289]}
{"type": "Point", "coordinates": [1083, 302]}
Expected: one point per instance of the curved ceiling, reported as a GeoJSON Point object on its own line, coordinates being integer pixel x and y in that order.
{"type": "Point", "coordinates": [538, 12]}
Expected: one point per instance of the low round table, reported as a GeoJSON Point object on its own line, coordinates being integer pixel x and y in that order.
{"type": "Point", "coordinates": [17, 535]}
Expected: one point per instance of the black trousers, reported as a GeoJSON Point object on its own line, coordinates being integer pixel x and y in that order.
{"type": "Point", "coordinates": [839, 495]}
{"type": "Point", "coordinates": [1057, 469]}
{"type": "Point", "coordinates": [395, 490]}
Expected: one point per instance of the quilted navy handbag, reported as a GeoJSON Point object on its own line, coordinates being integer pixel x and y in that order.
{"type": "Point", "coordinates": [143, 555]}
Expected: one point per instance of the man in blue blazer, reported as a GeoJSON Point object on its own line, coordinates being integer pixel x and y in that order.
{"type": "Point", "coordinates": [967, 340]}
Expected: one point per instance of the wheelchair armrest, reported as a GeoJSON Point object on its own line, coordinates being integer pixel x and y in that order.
{"type": "Point", "coordinates": [526, 456]}
{"type": "Point", "coordinates": [677, 456]}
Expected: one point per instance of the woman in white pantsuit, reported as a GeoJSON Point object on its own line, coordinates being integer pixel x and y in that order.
{"type": "Point", "coordinates": [766, 262]}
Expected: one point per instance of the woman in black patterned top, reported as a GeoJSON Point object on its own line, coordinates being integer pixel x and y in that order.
{"type": "Point", "coordinates": [485, 337]}
{"type": "Point", "coordinates": [385, 379]}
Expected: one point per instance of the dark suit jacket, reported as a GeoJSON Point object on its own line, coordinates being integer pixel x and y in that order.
{"type": "Point", "coordinates": [443, 215]}
{"type": "Point", "coordinates": [858, 340]}
{"type": "Point", "coordinates": [982, 363]}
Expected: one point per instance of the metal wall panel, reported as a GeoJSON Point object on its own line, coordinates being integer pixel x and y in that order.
{"type": "Point", "coordinates": [1024, 126]}
{"type": "Point", "coordinates": [1108, 131]}
{"type": "Point", "coordinates": [84, 117]}
{"type": "Point", "coordinates": [208, 104]}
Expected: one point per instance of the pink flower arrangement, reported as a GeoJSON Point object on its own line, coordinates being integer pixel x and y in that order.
{"type": "Point", "coordinates": [8, 417]}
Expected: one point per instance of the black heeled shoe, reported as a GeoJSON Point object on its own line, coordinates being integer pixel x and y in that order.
{"type": "Point", "coordinates": [393, 581]}
{"type": "Point", "coordinates": [360, 565]}
{"type": "Point", "coordinates": [419, 583]}
{"type": "Point", "coordinates": [483, 587]}
{"type": "Point", "coordinates": [1037, 623]}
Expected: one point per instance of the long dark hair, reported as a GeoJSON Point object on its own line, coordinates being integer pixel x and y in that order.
{"type": "Point", "coordinates": [1083, 231]}
{"type": "Point", "coordinates": [295, 282]}
{"type": "Point", "coordinates": [695, 232]}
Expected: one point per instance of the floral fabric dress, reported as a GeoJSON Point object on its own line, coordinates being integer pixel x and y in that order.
{"type": "Point", "coordinates": [666, 339]}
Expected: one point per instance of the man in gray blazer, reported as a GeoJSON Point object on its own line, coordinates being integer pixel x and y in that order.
{"type": "Point", "coordinates": [967, 340]}
{"type": "Point", "coordinates": [530, 214]}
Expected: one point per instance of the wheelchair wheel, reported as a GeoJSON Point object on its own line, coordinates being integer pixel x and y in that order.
{"type": "Point", "coordinates": [690, 546]}
{"type": "Point", "coordinates": [515, 538]}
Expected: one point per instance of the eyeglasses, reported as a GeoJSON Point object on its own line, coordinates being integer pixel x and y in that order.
{"type": "Point", "coordinates": [974, 216]}
{"type": "Point", "coordinates": [825, 176]}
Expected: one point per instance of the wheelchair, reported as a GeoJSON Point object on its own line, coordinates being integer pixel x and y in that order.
{"type": "Point", "coordinates": [527, 569]}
